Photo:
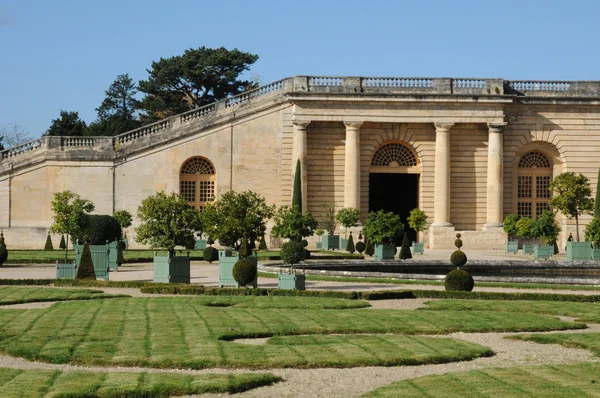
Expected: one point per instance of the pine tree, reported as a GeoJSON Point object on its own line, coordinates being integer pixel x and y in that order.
{"type": "Point", "coordinates": [405, 249]}
{"type": "Point", "coordinates": [297, 194]}
{"type": "Point", "coordinates": [48, 245]}
{"type": "Point", "coordinates": [350, 244]}
{"type": "Point", "coordinates": [62, 244]}
{"type": "Point", "coordinates": [86, 265]}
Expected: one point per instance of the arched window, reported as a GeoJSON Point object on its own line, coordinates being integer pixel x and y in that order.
{"type": "Point", "coordinates": [197, 182]}
{"type": "Point", "coordinates": [533, 185]}
{"type": "Point", "coordinates": [394, 157]}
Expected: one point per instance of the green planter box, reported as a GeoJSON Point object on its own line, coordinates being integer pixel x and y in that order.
{"type": "Point", "coordinates": [172, 269]}
{"type": "Point", "coordinates": [331, 242]}
{"type": "Point", "coordinates": [511, 247]}
{"type": "Point", "coordinates": [319, 245]}
{"type": "Point", "coordinates": [595, 254]}
{"type": "Point", "coordinates": [527, 248]}
{"type": "Point", "coordinates": [66, 271]}
{"type": "Point", "coordinates": [200, 244]}
{"type": "Point", "coordinates": [543, 252]}
{"type": "Point", "coordinates": [226, 263]}
{"type": "Point", "coordinates": [100, 258]}
{"type": "Point", "coordinates": [385, 252]}
{"type": "Point", "coordinates": [292, 281]}
{"type": "Point", "coordinates": [579, 250]}
{"type": "Point", "coordinates": [418, 248]}
{"type": "Point", "coordinates": [343, 243]}
{"type": "Point", "coordinates": [113, 255]}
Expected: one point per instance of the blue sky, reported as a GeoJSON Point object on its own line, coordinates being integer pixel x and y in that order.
{"type": "Point", "coordinates": [63, 54]}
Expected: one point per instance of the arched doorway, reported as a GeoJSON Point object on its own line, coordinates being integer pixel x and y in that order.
{"type": "Point", "coordinates": [394, 181]}
{"type": "Point", "coordinates": [197, 180]}
{"type": "Point", "coordinates": [534, 173]}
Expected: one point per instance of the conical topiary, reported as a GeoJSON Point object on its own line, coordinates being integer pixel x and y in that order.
{"type": "Point", "coordinates": [263, 244]}
{"type": "Point", "coordinates": [86, 265]}
{"type": "Point", "coordinates": [297, 193]}
{"type": "Point", "coordinates": [3, 250]}
{"type": "Point", "coordinates": [370, 250]}
{"type": "Point", "coordinates": [63, 244]}
{"type": "Point", "coordinates": [48, 245]}
{"type": "Point", "coordinates": [405, 252]}
{"type": "Point", "coordinates": [210, 241]}
{"type": "Point", "coordinates": [350, 244]}
{"type": "Point", "coordinates": [245, 250]}
{"type": "Point", "coordinates": [360, 237]}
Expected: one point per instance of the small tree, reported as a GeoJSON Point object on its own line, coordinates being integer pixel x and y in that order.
{"type": "Point", "coordinates": [69, 214]}
{"type": "Point", "coordinates": [347, 217]}
{"type": "Point", "coordinates": [592, 232]}
{"type": "Point", "coordinates": [48, 245]}
{"type": "Point", "coordinates": [546, 227]}
{"type": "Point", "coordinates": [290, 223]}
{"type": "Point", "coordinates": [350, 244]}
{"type": "Point", "coordinates": [167, 222]}
{"type": "Point", "coordinates": [319, 232]}
{"type": "Point", "coordinates": [297, 194]}
{"type": "Point", "coordinates": [417, 220]}
{"type": "Point", "coordinates": [572, 196]}
{"type": "Point", "coordinates": [124, 219]}
{"type": "Point", "coordinates": [510, 226]}
{"type": "Point", "coordinates": [524, 227]}
{"type": "Point", "coordinates": [382, 226]}
{"type": "Point", "coordinates": [329, 222]}
{"type": "Point", "coordinates": [292, 253]}
{"type": "Point", "coordinates": [405, 252]}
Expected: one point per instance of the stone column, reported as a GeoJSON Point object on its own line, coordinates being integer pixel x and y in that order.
{"type": "Point", "coordinates": [441, 209]}
{"type": "Point", "coordinates": [352, 165]}
{"type": "Point", "coordinates": [495, 181]}
{"type": "Point", "coordinates": [299, 151]}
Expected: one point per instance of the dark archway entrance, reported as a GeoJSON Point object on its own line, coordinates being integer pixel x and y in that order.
{"type": "Point", "coordinates": [398, 193]}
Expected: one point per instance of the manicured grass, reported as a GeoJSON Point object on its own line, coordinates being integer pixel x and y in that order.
{"type": "Point", "coordinates": [15, 383]}
{"type": "Point", "coordinates": [532, 381]}
{"type": "Point", "coordinates": [185, 332]}
{"type": "Point", "coordinates": [280, 302]}
{"type": "Point", "coordinates": [20, 294]}
{"type": "Point", "coordinates": [588, 341]}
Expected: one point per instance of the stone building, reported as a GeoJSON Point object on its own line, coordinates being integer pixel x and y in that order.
{"type": "Point", "coordinates": [466, 151]}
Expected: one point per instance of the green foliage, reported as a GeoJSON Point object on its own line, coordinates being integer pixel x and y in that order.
{"type": "Point", "coordinates": [291, 224]}
{"type": "Point", "coordinates": [417, 220]}
{"type": "Point", "coordinates": [62, 244]}
{"type": "Point", "coordinates": [69, 124]}
{"type": "Point", "coordinates": [245, 250]}
{"type": "Point", "coordinates": [350, 244]}
{"type": "Point", "coordinates": [459, 280]}
{"type": "Point", "coordinates": [244, 272]}
{"type": "Point", "coordinates": [360, 247]}
{"type": "Point", "coordinates": [572, 196]}
{"type": "Point", "coordinates": [592, 231]}
{"type": "Point", "coordinates": [458, 242]}
{"type": "Point", "coordinates": [525, 227]}
{"type": "Point", "coordinates": [210, 241]}
{"type": "Point", "coordinates": [306, 254]}
{"type": "Point", "coordinates": [3, 250]}
{"type": "Point", "coordinates": [86, 266]}
{"type": "Point", "coordinates": [510, 225]}
{"type": "Point", "coordinates": [348, 217]}
{"type": "Point", "coordinates": [597, 201]}
{"type": "Point", "coordinates": [405, 252]}
{"type": "Point", "coordinates": [263, 244]}
{"type": "Point", "coordinates": [292, 252]}
{"type": "Point", "coordinates": [196, 78]}
{"type": "Point", "coordinates": [211, 254]}
{"type": "Point", "coordinates": [48, 245]}
{"type": "Point", "coordinates": [235, 213]}
{"type": "Point", "coordinates": [297, 193]}
{"type": "Point", "coordinates": [546, 227]}
{"type": "Point", "coordinates": [124, 218]}
{"type": "Point", "coordinates": [329, 221]}
{"type": "Point", "coordinates": [69, 214]}
{"type": "Point", "coordinates": [167, 222]}
{"type": "Point", "coordinates": [120, 100]}
{"type": "Point", "coordinates": [101, 228]}
{"type": "Point", "coordinates": [382, 226]}
{"type": "Point", "coordinates": [458, 258]}
{"type": "Point", "coordinates": [370, 249]}
{"type": "Point", "coordinates": [319, 232]}
{"type": "Point", "coordinates": [304, 243]}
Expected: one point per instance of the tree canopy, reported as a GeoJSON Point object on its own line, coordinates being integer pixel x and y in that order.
{"type": "Point", "coordinates": [69, 214]}
{"type": "Point", "coordinates": [348, 217]}
{"type": "Point", "coordinates": [572, 196]}
{"type": "Point", "coordinates": [291, 224]}
{"type": "Point", "coordinates": [196, 78]}
{"type": "Point", "coordinates": [13, 134]}
{"type": "Point", "coordinates": [382, 226]}
{"type": "Point", "coordinates": [69, 124]}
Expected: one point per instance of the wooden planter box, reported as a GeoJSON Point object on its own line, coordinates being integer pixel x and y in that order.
{"type": "Point", "coordinates": [579, 250]}
{"type": "Point", "coordinates": [172, 269]}
{"type": "Point", "coordinates": [595, 253]}
{"type": "Point", "coordinates": [384, 252]}
{"type": "Point", "coordinates": [418, 248]}
{"type": "Point", "coordinates": [66, 271]}
{"type": "Point", "coordinates": [200, 244]}
{"type": "Point", "coordinates": [331, 242]}
{"type": "Point", "coordinates": [292, 281]}
{"type": "Point", "coordinates": [527, 248]}
{"type": "Point", "coordinates": [343, 243]}
{"type": "Point", "coordinates": [543, 252]}
{"type": "Point", "coordinates": [226, 263]}
{"type": "Point", "coordinates": [100, 258]}
{"type": "Point", "coordinates": [511, 247]}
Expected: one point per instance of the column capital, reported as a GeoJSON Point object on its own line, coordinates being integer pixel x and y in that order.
{"type": "Point", "coordinates": [353, 125]}
{"type": "Point", "coordinates": [300, 124]}
{"type": "Point", "coordinates": [443, 127]}
{"type": "Point", "coordinates": [496, 127]}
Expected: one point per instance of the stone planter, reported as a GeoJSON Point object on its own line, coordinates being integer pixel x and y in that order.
{"type": "Point", "coordinates": [172, 269]}
{"type": "Point", "coordinates": [200, 244]}
{"type": "Point", "coordinates": [527, 248]}
{"type": "Point", "coordinates": [384, 252]}
{"type": "Point", "coordinates": [226, 262]}
{"type": "Point", "coordinates": [343, 243]}
{"type": "Point", "coordinates": [511, 247]}
{"type": "Point", "coordinates": [579, 251]}
{"type": "Point", "coordinates": [418, 248]}
{"type": "Point", "coordinates": [319, 245]}
{"type": "Point", "coordinates": [100, 259]}
{"type": "Point", "coordinates": [66, 271]}
{"type": "Point", "coordinates": [595, 253]}
{"type": "Point", "coordinates": [544, 252]}
{"type": "Point", "coordinates": [292, 281]}
{"type": "Point", "coordinates": [331, 242]}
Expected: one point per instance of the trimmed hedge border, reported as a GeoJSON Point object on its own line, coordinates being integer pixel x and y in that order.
{"type": "Point", "coordinates": [80, 282]}
{"type": "Point", "coordinates": [505, 296]}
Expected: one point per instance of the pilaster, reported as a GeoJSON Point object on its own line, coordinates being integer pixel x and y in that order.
{"type": "Point", "coordinates": [495, 180]}
{"type": "Point", "coordinates": [441, 216]}
{"type": "Point", "coordinates": [352, 165]}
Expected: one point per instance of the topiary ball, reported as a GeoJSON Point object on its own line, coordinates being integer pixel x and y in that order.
{"type": "Point", "coordinates": [304, 242]}
{"type": "Point", "coordinates": [292, 252]}
{"type": "Point", "coordinates": [458, 258]}
{"type": "Point", "coordinates": [211, 254]}
{"type": "Point", "coordinates": [459, 280]}
{"type": "Point", "coordinates": [458, 243]}
{"type": "Point", "coordinates": [244, 272]}
{"type": "Point", "coordinates": [360, 247]}
{"type": "Point", "coordinates": [458, 236]}
{"type": "Point", "coordinates": [306, 254]}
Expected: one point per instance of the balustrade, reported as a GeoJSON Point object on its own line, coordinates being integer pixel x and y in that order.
{"type": "Point", "coordinates": [398, 82]}
{"type": "Point", "coordinates": [523, 86]}
{"type": "Point", "coordinates": [317, 81]}
{"type": "Point", "coordinates": [23, 148]}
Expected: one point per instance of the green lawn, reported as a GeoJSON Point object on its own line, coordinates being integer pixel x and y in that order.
{"type": "Point", "coordinates": [192, 332]}
{"type": "Point", "coordinates": [21, 294]}
{"type": "Point", "coordinates": [532, 381]}
{"type": "Point", "coordinates": [15, 383]}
